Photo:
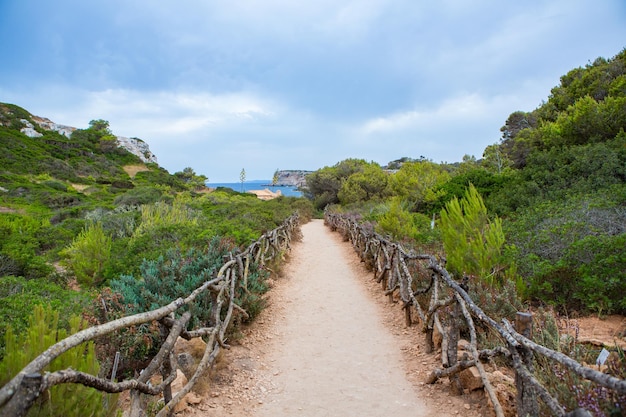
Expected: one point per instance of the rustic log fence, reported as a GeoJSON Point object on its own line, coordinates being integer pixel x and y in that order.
{"type": "Point", "coordinates": [19, 394]}
{"type": "Point", "coordinates": [392, 266]}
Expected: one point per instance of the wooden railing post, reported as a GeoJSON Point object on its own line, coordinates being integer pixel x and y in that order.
{"type": "Point", "coordinates": [453, 346]}
{"type": "Point", "coordinates": [27, 393]}
{"type": "Point", "coordinates": [520, 347]}
{"type": "Point", "coordinates": [166, 367]}
{"type": "Point", "coordinates": [526, 398]}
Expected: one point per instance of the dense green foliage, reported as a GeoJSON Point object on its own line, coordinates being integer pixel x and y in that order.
{"type": "Point", "coordinates": [88, 212]}
{"type": "Point", "coordinates": [19, 296]}
{"type": "Point", "coordinates": [43, 331]}
{"type": "Point", "coordinates": [557, 181]}
{"type": "Point", "coordinates": [473, 243]}
{"type": "Point", "coordinates": [161, 281]}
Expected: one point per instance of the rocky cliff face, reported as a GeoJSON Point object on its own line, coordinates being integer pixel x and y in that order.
{"type": "Point", "coordinates": [292, 178]}
{"type": "Point", "coordinates": [48, 124]}
{"type": "Point", "coordinates": [135, 146]}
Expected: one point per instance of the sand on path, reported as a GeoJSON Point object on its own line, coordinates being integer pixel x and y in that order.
{"type": "Point", "coordinates": [329, 343]}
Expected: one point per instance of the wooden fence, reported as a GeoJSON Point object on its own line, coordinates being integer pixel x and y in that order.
{"type": "Point", "coordinates": [392, 266]}
{"type": "Point", "coordinates": [19, 394]}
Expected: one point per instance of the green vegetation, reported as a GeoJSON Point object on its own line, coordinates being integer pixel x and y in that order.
{"type": "Point", "coordinates": [43, 331]}
{"type": "Point", "coordinates": [539, 219]}
{"type": "Point", "coordinates": [473, 243]}
{"type": "Point", "coordinates": [89, 214]}
{"type": "Point", "coordinates": [87, 254]}
{"type": "Point", "coordinates": [543, 211]}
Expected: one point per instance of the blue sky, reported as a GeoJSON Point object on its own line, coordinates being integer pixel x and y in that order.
{"type": "Point", "coordinates": [283, 84]}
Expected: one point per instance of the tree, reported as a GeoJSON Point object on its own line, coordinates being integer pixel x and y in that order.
{"type": "Point", "coordinates": [275, 177]}
{"type": "Point", "coordinates": [472, 242]}
{"type": "Point", "coordinates": [101, 126]}
{"type": "Point", "coordinates": [495, 160]}
{"type": "Point", "coordinates": [189, 176]}
{"type": "Point", "coordinates": [242, 178]}
{"type": "Point", "coordinates": [417, 182]}
{"type": "Point", "coordinates": [324, 184]}
{"type": "Point", "coordinates": [370, 184]}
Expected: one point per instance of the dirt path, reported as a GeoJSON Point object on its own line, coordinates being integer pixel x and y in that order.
{"type": "Point", "coordinates": [324, 347]}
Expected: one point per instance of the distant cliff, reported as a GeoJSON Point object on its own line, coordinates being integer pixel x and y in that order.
{"type": "Point", "coordinates": [292, 178]}
{"type": "Point", "coordinates": [135, 146]}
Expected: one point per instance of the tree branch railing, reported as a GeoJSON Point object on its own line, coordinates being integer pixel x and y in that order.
{"type": "Point", "coordinates": [397, 270]}
{"type": "Point", "coordinates": [21, 392]}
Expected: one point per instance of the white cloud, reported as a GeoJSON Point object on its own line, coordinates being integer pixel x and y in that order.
{"type": "Point", "coordinates": [278, 83]}
{"type": "Point", "coordinates": [464, 108]}
{"type": "Point", "coordinates": [132, 112]}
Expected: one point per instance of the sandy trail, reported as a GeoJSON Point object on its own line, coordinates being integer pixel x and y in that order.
{"type": "Point", "coordinates": [329, 343]}
{"type": "Point", "coordinates": [333, 355]}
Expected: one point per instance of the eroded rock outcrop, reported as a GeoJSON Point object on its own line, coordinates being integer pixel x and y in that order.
{"type": "Point", "coordinates": [292, 178]}
{"type": "Point", "coordinates": [48, 124]}
{"type": "Point", "coordinates": [135, 146]}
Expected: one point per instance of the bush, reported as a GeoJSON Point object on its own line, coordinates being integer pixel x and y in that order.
{"type": "Point", "coordinates": [19, 296]}
{"type": "Point", "coordinates": [171, 276]}
{"type": "Point", "coordinates": [600, 263]}
{"type": "Point", "coordinates": [472, 242]}
{"type": "Point", "coordinates": [396, 221]}
{"type": "Point", "coordinates": [571, 253]}
{"type": "Point", "coordinates": [162, 281]}
{"type": "Point", "coordinates": [88, 254]}
{"type": "Point", "coordinates": [65, 399]}
{"type": "Point", "coordinates": [139, 196]}
{"type": "Point", "coordinates": [21, 242]}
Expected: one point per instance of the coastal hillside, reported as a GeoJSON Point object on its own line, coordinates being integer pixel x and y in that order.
{"type": "Point", "coordinates": [81, 209]}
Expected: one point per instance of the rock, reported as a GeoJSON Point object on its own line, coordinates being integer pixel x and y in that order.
{"type": "Point", "coordinates": [190, 399]}
{"type": "Point", "coordinates": [464, 344]}
{"type": "Point", "coordinates": [48, 124]}
{"type": "Point", "coordinates": [497, 377]}
{"type": "Point", "coordinates": [504, 386]}
{"type": "Point", "coordinates": [135, 146]}
{"type": "Point", "coordinates": [187, 363]}
{"type": "Point", "coordinates": [470, 379]}
{"type": "Point", "coordinates": [138, 148]}
{"type": "Point", "coordinates": [193, 398]}
{"type": "Point", "coordinates": [29, 129]}
{"type": "Point", "coordinates": [195, 347]}
{"type": "Point", "coordinates": [292, 178]}
{"type": "Point", "coordinates": [188, 353]}
{"type": "Point", "coordinates": [179, 382]}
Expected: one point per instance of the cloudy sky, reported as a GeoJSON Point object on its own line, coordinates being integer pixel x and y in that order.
{"type": "Point", "coordinates": [289, 84]}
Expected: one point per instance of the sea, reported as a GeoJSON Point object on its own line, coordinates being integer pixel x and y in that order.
{"type": "Point", "coordinates": [256, 185]}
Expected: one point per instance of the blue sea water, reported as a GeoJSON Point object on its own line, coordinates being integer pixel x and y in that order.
{"type": "Point", "coordinates": [256, 185]}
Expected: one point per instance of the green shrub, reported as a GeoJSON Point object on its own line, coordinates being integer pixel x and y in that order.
{"type": "Point", "coordinates": [57, 185]}
{"type": "Point", "coordinates": [162, 281]}
{"type": "Point", "coordinates": [18, 297]}
{"type": "Point", "coordinates": [472, 242]}
{"type": "Point", "coordinates": [396, 221]}
{"type": "Point", "coordinates": [66, 399]}
{"type": "Point", "coordinates": [88, 254]}
{"type": "Point", "coordinates": [570, 252]}
{"type": "Point", "coordinates": [139, 196]}
{"type": "Point", "coordinates": [600, 263]}
{"type": "Point", "coordinates": [163, 214]}
{"type": "Point", "coordinates": [21, 242]}
{"type": "Point", "coordinates": [171, 276]}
